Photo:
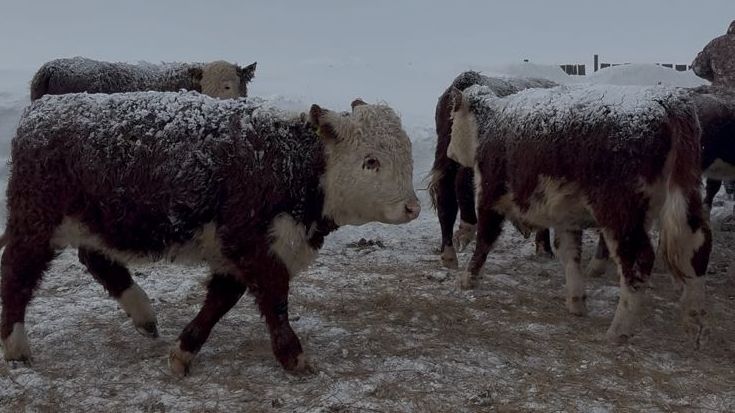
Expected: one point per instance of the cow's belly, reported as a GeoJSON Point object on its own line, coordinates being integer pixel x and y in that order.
{"type": "Point", "coordinates": [203, 247]}
{"type": "Point", "coordinates": [553, 205]}
{"type": "Point", "coordinates": [721, 170]}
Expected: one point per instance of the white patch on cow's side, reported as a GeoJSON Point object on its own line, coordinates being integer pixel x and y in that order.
{"type": "Point", "coordinates": [290, 243]}
{"type": "Point", "coordinates": [464, 138]}
{"type": "Point", "coordinates": [720, 169]}
{"type": "Point", "coordinates": [569, 254]}
{"type": "Point", "coordinates": [204, 246]}
{"type": "Point", "coordinates": [16, 345]}
{"type": "Point", "coordinates": [137, 305]}
{"type": "Point", "coordinates": [179, 361]}
{"type": "Point", "coordinates": [562, 205]}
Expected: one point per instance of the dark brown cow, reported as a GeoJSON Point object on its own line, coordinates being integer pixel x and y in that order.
{"type": "Point", "coordinates": [572, 157]}
{"type": "Point", "coordinates": [244, 187]}
{"type": "Point", "coordinates": [218, 79]}
{"type": "Point", "coordinates": [451, 186]}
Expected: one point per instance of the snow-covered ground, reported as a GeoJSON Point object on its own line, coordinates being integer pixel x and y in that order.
{"type": "Point", "coordinates": [383, 323]}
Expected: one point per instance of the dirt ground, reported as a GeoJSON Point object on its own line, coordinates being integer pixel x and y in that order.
{"type": "Point", "coordinates": [387, 330]}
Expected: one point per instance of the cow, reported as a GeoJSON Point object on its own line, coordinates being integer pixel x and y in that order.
{"type": "Point", "coordinates": [248, 189]}
{"type": "Point", "coordinates": [451, 187]}
{"type": "Point", "coordinates": [573, 157]}
{"type": "Point", "coordinates": [715, 107]}
{"type": "Point", "coordinates": [218, 79]}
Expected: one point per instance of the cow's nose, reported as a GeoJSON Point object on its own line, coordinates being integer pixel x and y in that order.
{"type": "Point", "coordinates": [413, 208]}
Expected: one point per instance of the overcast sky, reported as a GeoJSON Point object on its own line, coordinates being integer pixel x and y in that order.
{"type": "Point", "coordinates": [385, 32]}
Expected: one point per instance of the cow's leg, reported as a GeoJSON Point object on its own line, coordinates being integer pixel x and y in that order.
{"type": "Point", "coordinates": [711, 189]}
{"type": "Point", "coordinates": [223, 292]}
{"type": "Point", "coordinates": [120, 285]}
{"type": "Point", "coordinates": [598, 264]}
{"type": "Point", "coordinates": [543, 243]}
{"type": "Point", "coordinates": [569, 249]}
{"type": "Point", "coordinates": [633, 253]}
{"type": "Point", "coordinates": [465, 191]}
{"type": "Point", "coordinates": [271, 295]}
{"type": "Point", "coordinates": [490, 225]}
{"type": "Point", "coordinates": [22, 265]}
{"type": "Point", "coordinates": [686, 246]}
{"type": "Point", "coordinates": [446, 210]}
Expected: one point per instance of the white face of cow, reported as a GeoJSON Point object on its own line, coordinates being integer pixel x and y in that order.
{"type": "Point", "coordinates": [220, 79]}
{"type": "Point", "coordinates": [464, 140]}
{"type": "Point", "coordinates": [369, 173]}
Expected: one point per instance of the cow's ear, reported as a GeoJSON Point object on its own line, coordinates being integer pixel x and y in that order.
{"type": "Point", "coordinates": [323, 120]}
{"type": "Point", "coordinates": [456, 99]}
{"type": "Point", "coordinates": [196, 73]}
{"type": "Point", "coordinates": [357, 102]}
{"type": "Point", "coordinates": [247, 72]}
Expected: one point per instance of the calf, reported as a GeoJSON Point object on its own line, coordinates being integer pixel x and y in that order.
{"type": "Point", "coordinates": [574, 157]}
{"type": "Point", "coordinates": [451, 186]}
{"type": "Point", "coordinates": [715, 109]}
{"type": "Point", "coordinates": [218, 79]}
{"type": "Point", "coordinates": [244, 187]}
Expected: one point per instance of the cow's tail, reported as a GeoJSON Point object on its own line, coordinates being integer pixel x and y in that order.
{"type": "Point", "coordinates": [685, 235]}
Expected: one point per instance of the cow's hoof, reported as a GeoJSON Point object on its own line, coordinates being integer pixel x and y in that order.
{"type": "Point", "coordinates": [597, 267]}
{"type": "Point", "coordinates": [467, 281]}
{"type": "Point", "coordinates": [577, 306]}
{"type": "Point", "coordinates": [300, 366]}
{"type": "Point", "coordinates": [618, 334]}
{"type": "Point", "coordinates": [695, 326]}
{"type": "Point", "coordinates": [179, 361]}
{"type": "Point", "coordinates": [148, 329]}
{"type": "Point", "coordinates": [449, 258]}
{"type": "Point", "coordinates": [17, 350]}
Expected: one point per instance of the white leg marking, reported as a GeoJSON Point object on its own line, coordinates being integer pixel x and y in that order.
{"type": "Point", "coordinates": [16, 345]}
{"type": "Point", "coordinates": [626, 315]}
{"type": "Point", "coordinates": [136, 304]}
{"type": "Point", "coordinates": [569, 256]}
{"type": "Point", "coordinates": [179, 361]}
{"type": "Point", "coordinates": [693, 310]}
{"type": "Point", "coordinates": [464, 235]}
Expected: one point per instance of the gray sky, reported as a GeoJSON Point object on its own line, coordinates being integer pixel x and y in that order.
{"type": "Point", "coordinates": [384, 32]}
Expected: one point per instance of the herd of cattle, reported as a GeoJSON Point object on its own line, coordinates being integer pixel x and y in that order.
{"type": "Point", "coordinates": [119, 162]}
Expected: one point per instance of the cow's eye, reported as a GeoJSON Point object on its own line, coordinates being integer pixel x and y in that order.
{"type": "Point", "coordinates": [371, 163]}
{"type": "Point", "coordinates": [227, 88]}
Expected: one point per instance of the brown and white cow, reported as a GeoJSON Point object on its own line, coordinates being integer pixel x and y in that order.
{"type": "Point", "coordinates": [715, 108]}
{"type": "Point", "coordinates": [244, 187]}
{"type": "Point", "coordinates": [573, 157]}
{"type": "Point", "coordinates": [218, 79]}
{"type": "Point", "coordinates": [451, 186]}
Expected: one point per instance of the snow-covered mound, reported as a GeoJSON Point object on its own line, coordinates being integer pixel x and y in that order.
{"type": "Point", "coordinates": [645, 74]}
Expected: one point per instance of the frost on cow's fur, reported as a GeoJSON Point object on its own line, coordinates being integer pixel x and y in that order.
{"type": "Point", "coordinates": [79, 74]}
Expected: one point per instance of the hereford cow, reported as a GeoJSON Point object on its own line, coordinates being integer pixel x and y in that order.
{"type": "Point", "coordinates": [218, 79]}
{"type": "Point", "coordinates": [244, 187]}
{"type": "Point", "coordinates": [451, 186]}
{"type": "Point", "coordinates": [574, 157]}
{"type": "Point", "coordinates": [715, 107]}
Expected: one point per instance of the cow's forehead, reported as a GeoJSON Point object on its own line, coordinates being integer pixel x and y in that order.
{"type": "Point", "coordinates": [381, 126]}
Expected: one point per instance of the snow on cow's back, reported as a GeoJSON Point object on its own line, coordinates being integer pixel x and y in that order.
{"type": "Point", "coordinates": [162, 115]}
{"type": "Point", "coordinates": [629, 107]}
